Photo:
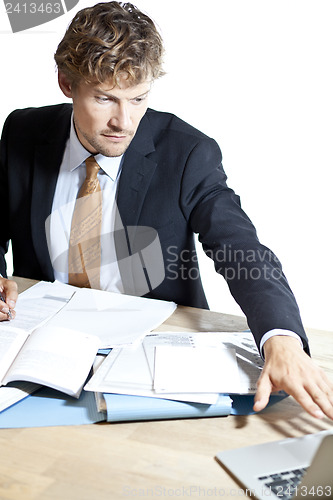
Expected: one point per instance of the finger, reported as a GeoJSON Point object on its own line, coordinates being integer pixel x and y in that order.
{"type": "Point", "coordinates": [307, 394]}
{"type": "Point", "coordinates": [307, 402]}
{"type": "Point", "coordinates": [4, 308]}
{"type": "Point", "coordinates": [264, 389]}
{"type": "Point", "coordinates": [5, 317]}
{"type": "Point", "coordinates": [323, 393]}
{"type": "Point", "coordinates": [322, 396]}
{"type": "Point", "coordinates": [10, 290]}
{"type": "Point", "coordinates": [325, 383]}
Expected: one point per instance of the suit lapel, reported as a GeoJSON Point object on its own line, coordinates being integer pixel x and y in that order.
{"type": "Point", "coordinates": [47, 161]}
{"type": "Point", "coordinates": [137, 172]}
{"type": "Point", "coordinates": [136, 175]}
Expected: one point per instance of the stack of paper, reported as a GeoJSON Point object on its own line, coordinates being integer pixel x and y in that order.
{"type": "Point", "coordinates": [145, 376]}
{"type": "Point", "coordinates": [35, 346]}
{"type": "Point", "coordinates": [193, 367]}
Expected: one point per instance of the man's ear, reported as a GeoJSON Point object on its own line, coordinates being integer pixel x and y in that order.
{"type": "Point", "coordinates": [65, 84]}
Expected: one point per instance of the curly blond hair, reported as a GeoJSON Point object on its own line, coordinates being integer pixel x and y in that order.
{"type": "Point", "coordinates": [108, 41]}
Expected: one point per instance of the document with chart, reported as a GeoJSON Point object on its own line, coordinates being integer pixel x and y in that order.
{"type": "Point", "coordinates": [183, 366]}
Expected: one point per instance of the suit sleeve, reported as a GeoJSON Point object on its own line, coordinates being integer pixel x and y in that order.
{"type": "Point", "coordinates": [4, 228]}
{"type": "Point", "coordinates": [252, 271]}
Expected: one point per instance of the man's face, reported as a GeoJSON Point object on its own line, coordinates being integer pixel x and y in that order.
{"type": "Point", "coordinates": [106, 119]}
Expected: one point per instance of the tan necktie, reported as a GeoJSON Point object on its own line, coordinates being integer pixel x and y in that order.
{"type": "Point", "coordinates": [84, 256]}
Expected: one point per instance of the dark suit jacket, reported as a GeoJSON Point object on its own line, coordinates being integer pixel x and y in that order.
{"type": "Point", "coordinates": [172, 180]}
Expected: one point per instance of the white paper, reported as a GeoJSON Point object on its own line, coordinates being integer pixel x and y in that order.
{"type": "Point", "coordinates": [117, 319]}
{"type": "Point", "coordinates": [126, 371]}
{"type": "Point", "coordinates": [249, 361]}
{"type": "Point", "coordinates": [199, 369]}
{"type": "Point", "coordinates": [11, 341]}
{"type": "Point", "coordinates": [123, 378]}
{"type": "Point", "coordinates": [39, 303]}
{"type": "Point", "coordinates": [56, 357]}
{"type": "Point", "coordinates": [164, 338]}
{"type": "Point", "coordinates": [10, 395]}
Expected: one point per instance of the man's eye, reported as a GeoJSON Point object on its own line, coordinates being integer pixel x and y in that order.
{"type": "Point", "coordinates": [102, 99]}
{"type": "Point", "coordinates": [138, 100]}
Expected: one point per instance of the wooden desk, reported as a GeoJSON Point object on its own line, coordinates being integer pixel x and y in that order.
{"type": "Point", "coordinates": [165, 459]}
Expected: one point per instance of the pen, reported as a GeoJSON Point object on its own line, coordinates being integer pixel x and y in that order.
{"type": "Point", "coordinates": [9, 313]}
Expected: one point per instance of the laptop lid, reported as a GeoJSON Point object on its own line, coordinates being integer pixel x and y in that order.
{"type": "Point", "coordinates": [252, 466]}
{"type": "Point", "coordinates": [318, 479]}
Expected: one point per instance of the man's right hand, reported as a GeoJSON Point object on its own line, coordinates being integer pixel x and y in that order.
{"type": "Point", "coordinates": [8, 290]}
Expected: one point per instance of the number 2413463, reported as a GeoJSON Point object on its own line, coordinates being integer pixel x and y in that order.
{"type": "Point", "coordinates": [33, 8]}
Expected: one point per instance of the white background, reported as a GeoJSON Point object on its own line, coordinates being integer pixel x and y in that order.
{"type": "Point", "coordinates": [257, 76]}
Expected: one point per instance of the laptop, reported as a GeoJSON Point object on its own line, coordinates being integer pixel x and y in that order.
{"type": "Point", "coordinates": [286, 469]}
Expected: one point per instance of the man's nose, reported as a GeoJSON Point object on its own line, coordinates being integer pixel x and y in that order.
{"type": "Point", "coordinates": [121, 117]}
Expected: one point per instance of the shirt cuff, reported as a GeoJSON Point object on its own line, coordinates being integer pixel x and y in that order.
{"type": "Point", "coordinates": [275, 332]}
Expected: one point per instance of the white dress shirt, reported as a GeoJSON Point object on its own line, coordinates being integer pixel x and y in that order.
{"type": "Point", "coordinates": [71, 176]}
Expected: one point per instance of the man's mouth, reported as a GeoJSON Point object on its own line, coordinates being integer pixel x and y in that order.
{"type": "Point", "coordinates": [115, 137]}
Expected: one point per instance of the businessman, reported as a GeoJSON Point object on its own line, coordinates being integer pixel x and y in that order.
{"type": "Point", "coordinates": [140, 183]}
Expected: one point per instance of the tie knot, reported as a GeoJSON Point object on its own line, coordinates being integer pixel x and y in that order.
{"type": "Point", "coordinates": [91, 183]}
{"type": "Point", "coordinates": [92, 168]}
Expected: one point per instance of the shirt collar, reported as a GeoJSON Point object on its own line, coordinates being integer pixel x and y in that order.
{"type": "Point", "coordinates": [78, 154]}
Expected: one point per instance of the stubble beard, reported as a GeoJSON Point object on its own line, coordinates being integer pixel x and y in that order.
{"type": "Point", "coordinates": [112, 150]}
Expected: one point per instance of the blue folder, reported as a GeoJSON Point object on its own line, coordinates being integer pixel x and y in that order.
{"type": "Point", "coordinates": [48, 407]}
{"type": "Point", "coordinates": [121, 408]}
